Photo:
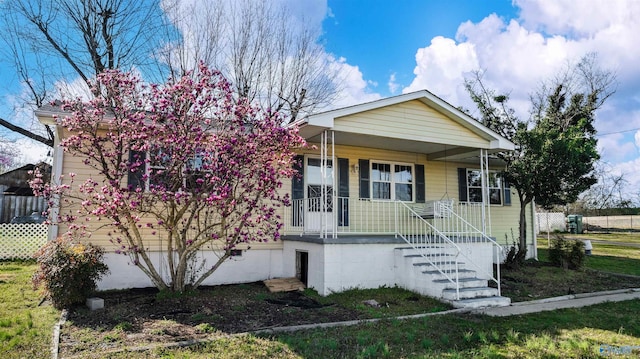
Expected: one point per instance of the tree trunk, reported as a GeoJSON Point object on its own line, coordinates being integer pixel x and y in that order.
{"type": "Point", "coordinates": [523, 223]}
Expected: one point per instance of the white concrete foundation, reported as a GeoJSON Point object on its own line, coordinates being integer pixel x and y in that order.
{"type": "Point", "coordinates": [251, 266]}
{"type": "Point", "coordinates": [334, 265]}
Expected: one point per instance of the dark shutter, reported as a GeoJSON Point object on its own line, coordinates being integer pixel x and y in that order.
{"type": "Point", "coordinates": [364, 179]}
{"type": "Point", "coordinates": [343, 191]}
{"type": "Point", "coordinates": [507, 193]}
{"type": "Point", "coordinates": [420, 185]}
{"type": "Point", "coordinates": [462, 185]}
{"type": "Point", "coordinates": [134, 178]}
{"type": "Point", "coordinates": [297, 191]}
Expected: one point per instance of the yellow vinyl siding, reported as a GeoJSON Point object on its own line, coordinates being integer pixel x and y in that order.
{"type": "Point", "coordinates": [99, 232]}
{"type": "Point", "coordinates": [410, 120]}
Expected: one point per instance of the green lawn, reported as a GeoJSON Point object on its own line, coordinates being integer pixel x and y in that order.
{"type": "Point", "coordinates": [606, 257]}
{"type": "Point", "coordinates": [627, 237]}
{"type": "Point", "coordinates": [571, 333]}
{"type": "Point", "coordinates": [26, 329]}
{"type": "Point", "coordinates": [25, 326]}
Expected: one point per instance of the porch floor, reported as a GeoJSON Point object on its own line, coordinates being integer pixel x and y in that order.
{"type": "Point", "coordinates": [346, 239]}
{"type": "Point", "coordinates": [366, 239]}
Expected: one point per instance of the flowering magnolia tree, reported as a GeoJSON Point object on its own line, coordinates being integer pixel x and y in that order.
{"type": "Point", "coordinates": [182, 165]}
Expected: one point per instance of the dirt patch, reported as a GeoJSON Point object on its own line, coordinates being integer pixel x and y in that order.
{"type": "Point", "coordinates": [538, 280]}
{"type": "Point", "coordinates": [140, 316]}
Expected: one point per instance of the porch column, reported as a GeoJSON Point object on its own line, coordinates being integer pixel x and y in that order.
{"type": "Point", "coordinates": [486, 203]}
{"type": "Point", "coordinates": [328, 224]}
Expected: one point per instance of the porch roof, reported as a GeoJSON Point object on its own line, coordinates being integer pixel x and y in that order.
{"type": "Point", "coordinates": [426, 140]}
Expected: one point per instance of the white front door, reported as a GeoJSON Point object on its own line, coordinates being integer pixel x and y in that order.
{"type": "Point", "coordinates": [319, 216]}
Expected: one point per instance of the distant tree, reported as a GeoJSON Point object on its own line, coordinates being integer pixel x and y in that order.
{"type": "Point", "coordinates": [270, 58]}
{"type": "Point", "coordinates": [556, 148]}
{"type": "Point", "coordinates": [185, 163]}
{"type": "Point", "coordinates": [7, 155]}
{"type": "Point", "coordinates": [51, 42]}
{"type": "Point", "coordinates": [607, 193]}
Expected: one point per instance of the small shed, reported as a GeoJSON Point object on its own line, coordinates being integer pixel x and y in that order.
{"type": "Point", "coordinates": [16, 196]}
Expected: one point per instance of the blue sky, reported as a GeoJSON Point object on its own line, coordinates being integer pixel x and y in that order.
{"type": "Point", "coordinates": [403, 46]}
{"type": "Point", "coordinates": [382, 37]}
{"type": "Point", "coordinates": [385, 48]}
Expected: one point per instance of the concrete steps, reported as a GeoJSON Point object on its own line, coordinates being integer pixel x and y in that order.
{"type": "Point", "coordinates": [417, 273]}
{"type": "Point", "coordinates": [482, 302]}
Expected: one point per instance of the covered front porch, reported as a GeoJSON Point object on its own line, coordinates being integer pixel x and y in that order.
{"type": "Point", "coordinates": [412, 169]}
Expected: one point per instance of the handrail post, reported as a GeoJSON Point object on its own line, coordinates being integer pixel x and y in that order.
{"type": "Point", "coordinates": [395, 221]}
{"type": "Point", "coordinates": [457, 280]}
{"type": "Point", "coordinates": [498, 259]}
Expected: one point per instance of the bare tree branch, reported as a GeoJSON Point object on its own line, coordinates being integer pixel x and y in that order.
{"type": "Point", "coordinates": [27, 133]}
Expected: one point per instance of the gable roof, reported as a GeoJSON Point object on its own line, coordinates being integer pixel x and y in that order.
{"type": "Point", "coordinates": [313, 125]}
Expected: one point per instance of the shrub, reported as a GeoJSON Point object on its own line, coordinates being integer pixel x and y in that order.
{"type": "Point", "coordinates": [568, 254]}
{"type": "Point", "coordinates": [516, 255]}
{"type": "Point", "coordinates": [68, 271]}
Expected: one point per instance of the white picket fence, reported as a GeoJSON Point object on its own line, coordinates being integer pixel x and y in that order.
{"type": "Point", "coordinates": [21, 241]}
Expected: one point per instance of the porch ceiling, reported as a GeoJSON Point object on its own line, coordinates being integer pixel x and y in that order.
{"type": "Point", "coordinates": [433, 151]}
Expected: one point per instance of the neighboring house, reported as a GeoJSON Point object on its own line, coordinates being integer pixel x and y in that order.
{"type": "Point", "coordinates": [17, 202]}
{"type": "Point", "coordinates": [400, 191]}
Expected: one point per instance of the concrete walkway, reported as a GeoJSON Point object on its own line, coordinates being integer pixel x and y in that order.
{"type": "Point", "coordinates": [565, 301]}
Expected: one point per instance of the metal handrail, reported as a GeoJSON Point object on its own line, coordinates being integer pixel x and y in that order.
{"type": "Point", "coordinates": [428, 237]}
{"type": "Point", "coordinates": [496, 245]}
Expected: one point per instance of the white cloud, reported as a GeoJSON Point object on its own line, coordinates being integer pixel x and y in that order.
{"type": "Point", "coordinates": [441, 67]}
{"type": "Point", "coordinates": [631, 172]}
{"type": "Point", "coordinates": [353, 87]}
{"type": "Point", "coordinates": [393, 85]}
{"type": "Point", "coordinates": [637, 139]}
{"type": "Point", "coordinates": [32, 151]}
{"type": "Point", "coordinates": [70, 90]}
{"type": "Point", "coordinates": [578, 19]}
{"type": "Point", "coordinates": [518, 54]}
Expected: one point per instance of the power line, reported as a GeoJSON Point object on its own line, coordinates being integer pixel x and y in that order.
{"type": "Point", "coordinates": [616, 132]}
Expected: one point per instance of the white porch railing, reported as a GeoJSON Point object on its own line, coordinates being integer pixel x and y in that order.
{"type": "Point", "coordinates": [350, 215]}
{"type": "Point", "coordinates": [345, 216]}
{"type": "Point", "coordinates": [434, 229]}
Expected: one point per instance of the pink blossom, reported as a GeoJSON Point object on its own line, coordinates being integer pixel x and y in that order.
{"type": "Point", "coordinates": [208, 166]}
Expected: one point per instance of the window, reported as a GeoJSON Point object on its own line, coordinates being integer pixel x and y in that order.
{"type": "Point", "coordinates": [474, 187]}
{"type": "Point", "coordinates": [157, 174]}
{"type": "Point", "coordinates": [392, 181]}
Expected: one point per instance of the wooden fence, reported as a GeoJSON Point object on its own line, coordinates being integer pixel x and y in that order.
{"type": "Point", "coordinates": [15, 206]}
{"type": "Point", "coordinates": [21, 241]}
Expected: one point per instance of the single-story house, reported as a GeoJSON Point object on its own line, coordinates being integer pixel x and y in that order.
{"type": "Point", "coordinates": [400, 191]}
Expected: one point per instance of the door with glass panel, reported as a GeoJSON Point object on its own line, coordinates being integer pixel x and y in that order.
{"type": "Point", "coordinates": [318, 195]}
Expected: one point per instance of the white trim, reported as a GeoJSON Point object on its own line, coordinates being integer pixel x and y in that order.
{"type": "Point", "coordinates": [489, 188]}
{"type": "Point", "coordinates": [56, 172]}
{"type": "Point", "coordinates": [392, 182]}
